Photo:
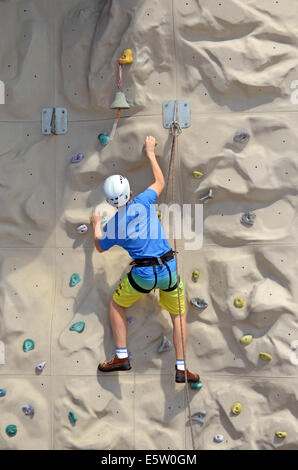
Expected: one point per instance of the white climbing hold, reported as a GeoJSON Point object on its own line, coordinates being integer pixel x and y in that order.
{"type": "Point", "coordinates": [248, 218]}
{"type": "Point", "coordinates": [82, 228]}
{"type": "Point", "coordinates": [165, 345]}
{"type": "Point", "coordinates": [207, 196]}
{"type": "Point", "coordinates": [241, 137]}
{"type": "Point", "coordinates": [40, 366]}
{"type": "Point", "coordinates": [199, 416]}
{"type": "Point", "coordinates": [199, 303]}
{"type": "Point", "coordinates": [218, 438]}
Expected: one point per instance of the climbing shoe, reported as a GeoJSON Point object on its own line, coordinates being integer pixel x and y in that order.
{"type": "Point", "coordinates": [191, 378]}
{"type": "Point", "coordinates": [114, 365]}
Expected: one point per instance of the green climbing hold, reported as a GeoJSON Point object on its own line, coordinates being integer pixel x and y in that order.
{"type": "Point", "coordinates": [238, 302]}
{"type": "Point", "coordinates": [246, 339]}
{"type": "Point", "coordinates": [28, 345]}
{"type": "Point", "coordinates": [75, 279]}
{"type": "Point", "coordinates": [236, 408]}
{"type": "Point", "coordinates": [11, 430]}
{"type": "Point", "coordinates": [72, 417]}
{"type": "Point", "coordinates": [265, 356]}
{"type": "Point", "coordinates": [104, 139]}
{"type": "Point", "coordinates": [197, 174]}
{"type": "Point", "coordinates": [196, 385]}
{"type": "Point", "coordinates": [195, 275]}
{"type": "Point", "coordinates": [281, 434]}
{"type": "Point", "coordinates": [78, 326]}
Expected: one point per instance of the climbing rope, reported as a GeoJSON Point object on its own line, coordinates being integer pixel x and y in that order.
{"type": "Point", "coordinates": [171, 174]}
{"type": "Point", "coordinates": [119, 74]}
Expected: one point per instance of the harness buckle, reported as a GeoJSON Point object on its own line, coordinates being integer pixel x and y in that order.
{"type": "Point", "coordinates": [159, 261]}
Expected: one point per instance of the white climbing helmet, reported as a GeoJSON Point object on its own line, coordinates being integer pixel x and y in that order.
{"type": "Point", "coordinates": [117, 190]}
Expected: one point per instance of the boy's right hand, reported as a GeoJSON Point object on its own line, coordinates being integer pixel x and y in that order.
{"type": "Point", "coordinates": [95, 218]}
{"type": "Point", "coordinates": [150, 145]}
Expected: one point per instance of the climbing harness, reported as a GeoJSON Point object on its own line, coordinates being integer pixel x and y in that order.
{"type": "Point", "coordinates": [158, 261]}
{"type": "Point", "coordinates": [175, 130]}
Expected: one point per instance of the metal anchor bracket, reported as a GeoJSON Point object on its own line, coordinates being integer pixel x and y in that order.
{"type": "Point", "coordinates": [176, 114]}
{"type": "Point", "coordinates": [54, 121]}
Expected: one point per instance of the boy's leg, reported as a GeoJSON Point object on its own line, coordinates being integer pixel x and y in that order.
{"type": "Point", "coordinates": [118, 324]}
{"type": "Point", "coordinates": [169, 300]}
{"type": "Point", "coordinates": [125, 295]}
{"type": "Point", "coordinates": [177, 336]}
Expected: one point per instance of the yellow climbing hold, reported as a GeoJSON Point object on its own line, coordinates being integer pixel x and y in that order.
{"type": "Point", "coordinates": [265, 356]}
{"type": "Point", "coordinates": [126, 57]}
{"type": "Point", "coordinates": [236, 408]}
{"type": "Point", "coordinates": [246, 339]}
{"type": "Point", "coordinates": [159, 215]}
{"type": "Point", "coordinates": [195, 275]}
{"type": "Point", "coordinates": [281, 434]}
{"type": "Point", "coordinates": [238, 302]}
{"type": "Point", "coordinates": [197, 174]}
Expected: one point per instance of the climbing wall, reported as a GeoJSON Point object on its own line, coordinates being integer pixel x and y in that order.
{"type": "Point", "coordinates": [236, 62]}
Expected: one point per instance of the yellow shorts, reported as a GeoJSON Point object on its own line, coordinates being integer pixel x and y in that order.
{"type": "Point", "coordinates": [125, 295]}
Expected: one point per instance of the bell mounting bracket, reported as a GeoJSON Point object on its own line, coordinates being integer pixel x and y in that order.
{"type": "Point", "coordinates": [176, 113]}
{"type": "Point", "coordinates": [54, 121]}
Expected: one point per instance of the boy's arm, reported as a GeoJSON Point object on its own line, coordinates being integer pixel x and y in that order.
{"type": "Point", "coordinates": [159, 182]}
{"type": "Point", "coordinates": [97, 230]}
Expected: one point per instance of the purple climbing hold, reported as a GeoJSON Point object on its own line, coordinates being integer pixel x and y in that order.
{"type": "Point", "coordinates": [77, 158]}
{"type": "Point", "coordinates": [28, 410]}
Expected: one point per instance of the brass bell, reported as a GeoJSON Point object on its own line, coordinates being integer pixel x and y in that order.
{"type": "Point", "coordinates": [119, 101]}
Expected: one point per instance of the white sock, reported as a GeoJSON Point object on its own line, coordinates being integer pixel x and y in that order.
{"type": "Point", "coordinates": [121, 353]}
{"type": "Point", "coordinates": [180, 364]}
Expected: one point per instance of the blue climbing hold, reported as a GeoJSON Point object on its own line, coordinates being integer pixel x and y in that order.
{"type": "Point", "coordinates": [103, 139]}
{"type": "Point", "coordinates": [75, 279]}
{"type": "Point", "coordinates": [78, 326]}
{"type": "Point", "coordinates": [2, 392]}
{"type": "Point", "coordinates": [11, 430]}
{"type": "Point", "coordinates": [28, 345]}
{"type": "Point", "coordinates": [72, 417]}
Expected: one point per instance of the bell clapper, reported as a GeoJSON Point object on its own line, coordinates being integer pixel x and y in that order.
{"type": "Point", "coordinates": [115, 124]}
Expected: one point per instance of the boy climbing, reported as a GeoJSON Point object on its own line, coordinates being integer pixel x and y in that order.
{"type": "Point", "coordinates": [136, 228]}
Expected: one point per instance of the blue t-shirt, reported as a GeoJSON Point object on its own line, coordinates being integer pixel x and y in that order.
{"type": "Point", "coordinates": [136, 227]}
